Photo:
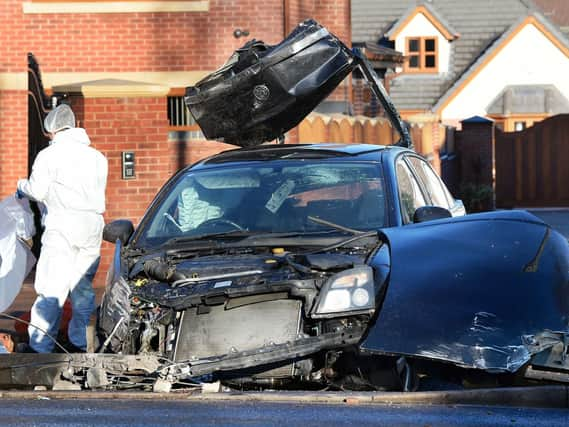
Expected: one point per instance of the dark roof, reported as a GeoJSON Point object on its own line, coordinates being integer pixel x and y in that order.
{"type": "Point", "coordinates": [476, 120]}
{"type": "Point", "coordinates": [381, 51]}
{"type": "Point", "coordinates": [433, 12]}
{"type": "Point", "coordinates": [479, 22]}
{"type": "Point", "coordinates": [291, 151]}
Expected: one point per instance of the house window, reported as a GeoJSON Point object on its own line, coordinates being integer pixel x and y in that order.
{"type": "Point", "coordinates": [421, 54]}
{"type": "Point", "coordinates": [519, 126]}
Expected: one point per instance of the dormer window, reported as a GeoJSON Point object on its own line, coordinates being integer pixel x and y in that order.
{"type": "Point", "coordinates": [422, 54]}
{"type": "Point", "coordinates": [424, 38]}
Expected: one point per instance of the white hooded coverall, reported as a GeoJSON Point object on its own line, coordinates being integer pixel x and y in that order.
{"type": "Point", "coordinates": [69, 177]}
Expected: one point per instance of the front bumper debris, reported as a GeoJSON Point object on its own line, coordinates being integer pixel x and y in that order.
{"type": "Point", "coordinates": [115, 371]}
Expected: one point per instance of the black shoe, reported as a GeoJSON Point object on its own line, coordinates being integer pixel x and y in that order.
{"type": "Point", "coordinates": [72, 348]}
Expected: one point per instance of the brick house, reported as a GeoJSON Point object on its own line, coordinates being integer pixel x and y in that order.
{"type": "Point", "coordinates": [124, 66]}
{"type": "Point", "coordinates": [502, 60]}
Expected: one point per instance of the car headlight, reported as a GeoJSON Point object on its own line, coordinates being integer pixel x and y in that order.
{"type": "Point", "coordinates": [348, 291]}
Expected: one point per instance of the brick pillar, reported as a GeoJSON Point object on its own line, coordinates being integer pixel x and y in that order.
{"type": "Point", "coordinates": [13, 139]}
{"type": "Point", "coordinates": [125, 117]}
{"type": "Point", "coordinates": [475, 146]}
{"type": "Point", "coordinates": [360, 103]}
{"type": "Point", "coordinates": [475, 149]}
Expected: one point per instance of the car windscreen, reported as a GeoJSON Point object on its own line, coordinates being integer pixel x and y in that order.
{"type": "Point", "coordinates": [280, 196]}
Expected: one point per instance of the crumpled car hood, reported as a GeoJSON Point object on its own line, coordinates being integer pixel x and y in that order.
{"type": "Point", "coordinates": [263, 91]}
{"type": "Point", "coordinates": [481, 291]}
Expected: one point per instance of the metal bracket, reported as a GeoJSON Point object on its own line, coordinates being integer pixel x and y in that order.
{"type": "Point", "coordinates": [379, 91]}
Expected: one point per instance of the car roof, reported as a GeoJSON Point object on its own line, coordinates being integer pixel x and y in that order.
{"type": "Point", "coordinates": [300, 151]}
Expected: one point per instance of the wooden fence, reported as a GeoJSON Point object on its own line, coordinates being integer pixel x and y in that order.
{"type": "Point", "coordinates": [532, 165]}
{"type": "Point", "coordinates": [427, 134]}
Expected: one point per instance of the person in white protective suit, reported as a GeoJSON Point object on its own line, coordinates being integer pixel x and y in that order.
{"type": "Point", "coordinates": [69, 177]}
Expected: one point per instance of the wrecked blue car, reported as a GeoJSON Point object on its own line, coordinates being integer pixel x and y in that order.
{"type": "Point", "coordinates": [283, 265]}
{"type": "Point", "coordinates": [325, 265]}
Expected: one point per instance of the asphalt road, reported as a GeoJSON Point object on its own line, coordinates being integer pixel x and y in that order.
{"type": "Point", "coordinates": [175, 413]}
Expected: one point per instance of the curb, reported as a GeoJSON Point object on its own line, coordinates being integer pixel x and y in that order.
{"type": "Point", "coordinates": [555, 396]}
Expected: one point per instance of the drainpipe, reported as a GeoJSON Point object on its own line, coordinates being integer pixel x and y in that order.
{"type": "Point", "coordinates": [286, 17]}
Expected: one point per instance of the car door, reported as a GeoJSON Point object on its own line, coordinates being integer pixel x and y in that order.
{"type": "Point", "coordinates": [411, 196]}
{"type": "Point", "coordinates": [435, 189]}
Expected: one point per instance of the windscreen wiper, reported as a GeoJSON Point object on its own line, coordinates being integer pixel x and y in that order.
{"type": "Point", "coordinates": [233, 234]}
{"type": "Point", "coordinates": [334, 225]}
{"type": "Point", "coordinates": [363, 235]}
{"type": "Point", "coordinates": [224, 240]}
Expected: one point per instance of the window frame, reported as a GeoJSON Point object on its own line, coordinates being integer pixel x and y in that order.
{"type": "Point", "coordinates": [422, 54]}
{"type": "Point", "coordinates": [425, 185]}
{"type": "Point", "coordinates": [175, 115]}
{"type": "Point", "coordinates": [406, 164]}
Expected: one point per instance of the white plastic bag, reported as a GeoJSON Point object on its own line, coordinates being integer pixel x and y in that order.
{"type": "Point", "coordinates": [16, 258]}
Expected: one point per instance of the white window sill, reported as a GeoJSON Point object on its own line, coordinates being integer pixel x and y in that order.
{"type": "Point", "coordinates": [116, 6]}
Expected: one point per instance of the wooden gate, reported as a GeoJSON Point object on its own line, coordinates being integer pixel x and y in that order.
{"type": "Point", "coordinates": [532, 166]}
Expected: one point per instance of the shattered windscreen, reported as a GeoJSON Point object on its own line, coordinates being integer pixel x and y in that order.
{"type": "Point", "coordinates": [280, 197]}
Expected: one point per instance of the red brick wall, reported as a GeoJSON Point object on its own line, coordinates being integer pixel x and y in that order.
{"type": "Point", "coordinates": [13, 140]}
{"type": "Point", "coordinates": [334, 15]}
{"type": "Point", "coordinates": [134, 42]}
{"type": "Point", "coordinates": [183, 153]}
{"type": "Point", "coordinates": [153, 41]}
{"type": "Point", "coordinates": [139, 125]}
{"type": "Point", "coordinates": [127, 124]}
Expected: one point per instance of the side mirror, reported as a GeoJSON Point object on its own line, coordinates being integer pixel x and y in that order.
{"type": "Point", "coordinates": [120, 229]}
{"type": "Point", "coordinates": [429, 213]}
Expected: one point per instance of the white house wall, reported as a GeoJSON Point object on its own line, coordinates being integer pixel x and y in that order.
{"type": "Point", "coordinates": [530, 58]}
{"type": "Point", "coordinates": [420, 26]}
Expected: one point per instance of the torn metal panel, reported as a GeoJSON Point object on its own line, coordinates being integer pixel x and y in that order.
{"type": "Point", "coordinates": [275, 353]}
{"type": "Point", "coordinates": [263, 91]}
{"type": "Point", "coordinates": [93, 370]}
{"type": "Point", "coordinates": [471, 299]}
{"type": "Point", "coordinates": [379, 91]}
{"type": "Point", "coordinates": [23, 369]}
{"type": "Point", "coordinates": [551, 360]}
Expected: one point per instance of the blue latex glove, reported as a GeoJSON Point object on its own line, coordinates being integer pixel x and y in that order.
{"type": "Point", "coordinates": [19, 194]}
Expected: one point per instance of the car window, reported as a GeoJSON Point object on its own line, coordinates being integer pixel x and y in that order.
{"type": "Point", "coordinates": [431, 182]}
{"type": "Point", "coordinates": [280, 196]}
{"type": "Point", "coordinates": [409, 192]}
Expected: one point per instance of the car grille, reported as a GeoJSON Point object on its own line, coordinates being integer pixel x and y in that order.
{"type": "Point", "coordinates": [247, 327]}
